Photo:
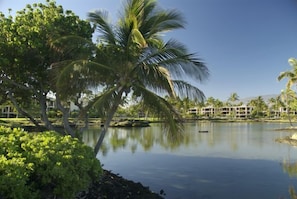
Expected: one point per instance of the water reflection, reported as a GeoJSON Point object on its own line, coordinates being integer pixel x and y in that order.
{"type": "Point", "coordinates": [244, 140]}
{"type": "Point", "coordinates": [291, 169]}
{"type": "Point", "coordinates": [232, 160]}
{"type": "Point", "coordinates": [147, 138]}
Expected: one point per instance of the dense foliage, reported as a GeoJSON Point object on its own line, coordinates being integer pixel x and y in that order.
{"type": "Point", "coordinates": [44, 165]}
{"type": "Point", "coordinates": [29, 48]}
{"type": "Point", "coordinates": [132, 61]}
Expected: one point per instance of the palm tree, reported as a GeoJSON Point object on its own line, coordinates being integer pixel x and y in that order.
{"type": "Point", "coordinates": [233, 98]}
{"type": "Point", "coordinates": [289, 94]}
{"type": "Point", "coordinates": [290, 74]}
{"type": "Point", "coordinates": [259, 106]}
{"type": "Point", "coordinates": [275, 104]}
{"type": "Point", "coordinates": [289, 98]}
{"type": "Point", "coordinates": [132, 60]}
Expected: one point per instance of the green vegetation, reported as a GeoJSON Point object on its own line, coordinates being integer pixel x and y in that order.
{"type": "Point", "coordinates": [29, 44]}
{"type": "Point", "coordinates": [133, 61]}
{"type": "Point", "coordinates": [44, 165]}
{"type": "Point", "coordinates": [289, 96]}
{"type": "Point", "coordinates": [47, 50]}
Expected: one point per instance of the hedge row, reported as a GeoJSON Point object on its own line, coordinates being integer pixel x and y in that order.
{"type": "Point", "coordinates": [44, 165]}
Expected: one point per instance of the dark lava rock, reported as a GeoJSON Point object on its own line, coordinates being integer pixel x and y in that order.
{"type": "Point", "coordinates": [113, 186]}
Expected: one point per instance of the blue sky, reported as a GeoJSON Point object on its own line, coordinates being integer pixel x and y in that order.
{"type": "Point", "coordinates": [244, 43]}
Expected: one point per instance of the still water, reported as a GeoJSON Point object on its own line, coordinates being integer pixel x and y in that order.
{"type": "Point", "coordinates": [232, 160]}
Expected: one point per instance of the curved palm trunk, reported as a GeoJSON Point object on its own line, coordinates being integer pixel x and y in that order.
{"type": "Point", "coordinates": [65, 112]}
{"type": "Point", "coordinates": [110, 115]}
{"type": "Point", "coordinates": [84, 113]}
{"type": "Point", "coordinates": [45, 119]}
{"type": "Point", "coordinates": [86, 123]}
{"type": "Point", "coordinates": [289, 117]}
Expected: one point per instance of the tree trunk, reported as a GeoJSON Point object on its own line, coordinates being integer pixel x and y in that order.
{"type": "Point", "coordinates": [110, 115]}
{"type": "Point", "coordinates": [22, 111]}
{"type": "Point", "coordinates": [86, 121]}
{"type": "Point", "coordinates": [83, 112]}
{"type": "Point", "coordinates": [289, 117]}
{"type": "Point", "coordinates": [43, 108]}
{"type": "Point", "coordinates": [65, 113]}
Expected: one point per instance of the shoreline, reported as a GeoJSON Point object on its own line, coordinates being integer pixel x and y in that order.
{"type": "Point", "coordinates": [287, 140]}
{"type": "Point", "coordinates": [115, 186]}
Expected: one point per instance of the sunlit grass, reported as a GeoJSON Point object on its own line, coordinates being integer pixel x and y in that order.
{"type": "Point", "coordinates": [14, 122]}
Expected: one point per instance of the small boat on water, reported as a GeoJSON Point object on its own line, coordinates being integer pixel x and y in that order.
{"type": "Point", "coordinates": [203, 131]}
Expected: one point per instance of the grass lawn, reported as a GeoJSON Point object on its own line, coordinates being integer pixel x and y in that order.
{"type": "Point", "coordinates": [14, 122]}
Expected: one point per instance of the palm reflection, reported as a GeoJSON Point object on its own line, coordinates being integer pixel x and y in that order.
{"type": "Point", "coordinates": [146, 138]}
{"type": "Point", "coordinates": [291, 169]}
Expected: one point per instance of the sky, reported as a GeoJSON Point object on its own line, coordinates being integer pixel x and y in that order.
{"type": "Point", "coordinates": [244, 43]}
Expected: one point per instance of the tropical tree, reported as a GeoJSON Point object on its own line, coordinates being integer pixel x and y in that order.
{"type": "Point", "coordinates": [233, 98]}
{"type": "Point", "coordinates": [132, 59]}
{"type": "Point", "coordinates": [215, 103]}
{"type": "Point", "coordinates": [290, 100]}
{"type": "Point", "coordinates": [27, 53]}
{"type": "Point", "coordinates": [291, 75]}
{"type": "Point", "coordinates": [211, 101]}
{"type": "Point", "coordinates": [259, 106]}
{"type": "Point", "coordinates": [276, 103]}
{"type": "Point", "coordinates": [289, 95]}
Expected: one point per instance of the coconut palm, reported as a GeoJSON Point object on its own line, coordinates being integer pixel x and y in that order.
{"type": "Point", "coordinates": [233, 97]}
{"type": "Point", "coordinates": [289, 98]}
{"type": "Point", "coordinates": [259, 106]}
{"type": "Point", "coordinates": [133, 60]}
{"type": "Point", "coordinates": [290, 74]}
{"type": "Point", "coordinates": [288, 95]}
{"type": "Point", "coordinates": [275, 104]}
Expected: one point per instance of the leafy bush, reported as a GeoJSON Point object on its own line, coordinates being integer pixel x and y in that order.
{"type": "Point", "coordinates": [44, 165]}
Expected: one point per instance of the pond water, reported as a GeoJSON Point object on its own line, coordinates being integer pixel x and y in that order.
{"type": "Point", "coordinates": [232, 160]}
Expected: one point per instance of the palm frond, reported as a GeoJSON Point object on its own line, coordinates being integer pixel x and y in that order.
{"type": "Point", "coordinates": [175, 58]}
{"type": "Point", "coordinates": [104, 101]}
{"type": "Point", "coordinates": [136, 38]}
{"type": "Point", "coordinates": [153, 20]}
{"type": "Point", "coordinates": [73, 46]}
{"type": "Point", "coordinates": [163, 21]}
{"type": "Point", "coordinates": [286, 74]}
{"type": "Point", "coordinates": [184, 89]}
{"type": "Point", "coordinates": [100, 20]}
{"type": "Point", "coordinates": [74, 76]}
{"type": "Point", "coordinates": [162, 109]}
{"type": "Point", "coordinates": [189, 64]}
{"type": "Point", "coordinates": [156, 78]}
{"type": "Point", "coordinates": [133, 13]}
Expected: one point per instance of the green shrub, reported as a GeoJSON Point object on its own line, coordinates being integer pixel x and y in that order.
{"type": "Point", "coordinates": [45, 164]}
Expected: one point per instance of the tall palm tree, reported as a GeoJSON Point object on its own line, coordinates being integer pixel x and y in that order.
{"type": "Point", "coordinates": [289, 98]}
{"type": "Point", "coordinates": [133, 60]}
{"type": "Point", "coordinates": [289, 94]}
{"type": "Point", "coordinates": [233, 98]}
{"type": "Point", "coordinates": [290, 74]}
{"type": "Point", "coordinates": [276, 103]}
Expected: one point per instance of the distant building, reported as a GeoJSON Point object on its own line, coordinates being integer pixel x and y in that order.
{"type": "Point", "coordinates": [243, 111]}
{"type": "Point", "coordinates": [209, 111]}
{"type": "Point", "coordinates": [8, 111]}
{"type": "Point", "coordinates": [194, 111]}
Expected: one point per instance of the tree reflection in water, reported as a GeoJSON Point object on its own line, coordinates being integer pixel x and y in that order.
{"type": "Point", "coordinates": [247, 143]}
{"type": "Point", "coordinates": [291, 169]}
{"type": "Point", "coordinates": [146, 138]}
